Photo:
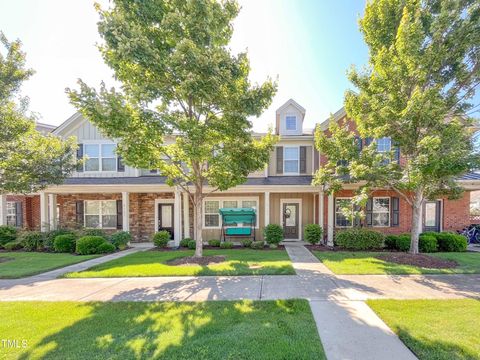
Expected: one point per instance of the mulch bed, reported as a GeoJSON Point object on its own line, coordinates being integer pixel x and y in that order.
{"type": "Point", "coordinates": [420, 260]}
{"type": "Point", "coordinates": [204, 260]}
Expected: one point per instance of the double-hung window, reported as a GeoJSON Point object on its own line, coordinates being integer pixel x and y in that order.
{"type": "Point", "coordinates": [381, 212]}
{"type": "Point", "coordinates": [290, 123]}
{"type": "Point", "coordinates": [341, 206]}
{"type": "Point", "coordinates": [11, 213]}
{"type": "Point", "coordinates": [100, 157]}
{"type": "Point", "coordinates": [291, 159]}
{"type": "Point", "coordinates": [101, 214]}
{"type": "Point", "coordinates": [212, 219]}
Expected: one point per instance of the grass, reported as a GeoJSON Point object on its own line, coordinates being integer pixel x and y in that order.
{"type": "Point", "coordinates": [434, 329]}
{"type": "Point", "coordinates": [362, 263]}
{"type": "Point", "coordinates": [161, 330]}
{"type": "Point", "coordinates": [154, 263]}
{"type": "Point", "coordinates": [14, 265]}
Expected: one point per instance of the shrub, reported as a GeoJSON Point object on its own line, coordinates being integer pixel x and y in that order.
{"type": "Point", "coordinates": [257, 245]}
{"type": "Point", "coordinates": [13, 245]}
{"type": "Point", "coordinates": [31, 240]}
{"type": "Point", "coordinates": [161, 238]}
{"type": "Point", "coordinates": [192, 244]}
{"type": "Point", "coordinates": [451, 242]}
{"type": "Point", "coordinates": [313, 233]}
{"type": "Point", "coordinates": [427, 243]}
{"type": "Point", "coordinates": [87, 245]}
{"type": "Point", "coordinates": [65, 243]}
{"type": "Point", "coordinates": [360, 239]}
{"type": "Point", "coordinates": [7, 234]}
{"type": "Point", "coordinates": [120, 239]}
{"type": "Point", "coordinates": [226, 245]}
{"type": "Point", "coordinates": [48, 241]}
{"type": "Point", "coordinates": [94, 232]}
{"type": "Point", "coordinates": [390, 242]}
{"type": "Point", "coordinates": [214, 243]}
{"type": "Point", "coordinates": [403, 242]}
{"type": "Point", "coordinates": [106, 248]}
{"type": "Point", "coordinates": [246, 243]}
{"type": "Point", "coordinates": [184, 242]}
{"type": "Point", "coordinates": [273, 233]}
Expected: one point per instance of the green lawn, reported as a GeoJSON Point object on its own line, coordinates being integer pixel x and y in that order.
{"type": "Point", "coordinates": [161, 330]}
{"type": "Point", "coordinates": [434, 329]}
{"type": "Point", "coordinates": [361, 263]}
{"type": "Point", "coordinates": [15, 265]}
{"type": "Point", "coordinates": [153, 263]}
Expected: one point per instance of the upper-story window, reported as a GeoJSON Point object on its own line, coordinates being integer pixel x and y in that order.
{"type": "Point", "coordinates": [100, 157]}
{"type": "Point", "coordinates": [384, 145]}
{"type": "Point", "coordinates": [290, 122]}
{"type": "Point", "coordinates": [291, 161]}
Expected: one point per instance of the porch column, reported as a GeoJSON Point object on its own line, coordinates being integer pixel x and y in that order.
{"type": "Point", "coordinates": [44, 223]}
{"type": "Point", "coordinates": [321, 205]}
{"type": "Point", "coordinates": [125, 211]}
{"type": "Point", "coordinates": [3, 209]}
{"type": "Point", "coordinates": [331, 218]}
{"type": "Point", "coordinates": [186, 216]}
{"type": "Point", "coordinates": [177, 227]}
{"type": "Point", "coordinates": [267, 208]}
{"type": "Point", "coordinates": [315, 208]}
{"type": "Point", "coordinates": [52, 211]}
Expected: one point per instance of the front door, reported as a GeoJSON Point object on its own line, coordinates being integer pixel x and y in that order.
{"type": "Point", "coordinates": [165, 218]}
{"type": "Point", "coordinates": [431, 216]}
{"type": "Point", "coordinates": [290, 213]}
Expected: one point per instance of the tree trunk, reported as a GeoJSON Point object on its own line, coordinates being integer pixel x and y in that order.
{"type": "Point", "coordinates": [198, 224]}
{"type": "Point", "coordinates": [417, 208]}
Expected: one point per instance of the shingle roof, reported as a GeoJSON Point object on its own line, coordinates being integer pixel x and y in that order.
{"type": "Point", "coordinates": [470, 176]}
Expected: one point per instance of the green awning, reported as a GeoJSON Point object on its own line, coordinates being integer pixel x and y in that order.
{"type": "Point", "coordinates": [237, 215]}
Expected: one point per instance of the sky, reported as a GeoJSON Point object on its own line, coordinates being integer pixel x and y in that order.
{"type": "Point", "coordinates": [308, 45]}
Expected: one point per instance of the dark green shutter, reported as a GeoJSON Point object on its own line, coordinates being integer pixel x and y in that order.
{"type": "Point", "coordinates": [19, 214]}
{"type": "Point", "coordinates": [368, 141]}
{"type": "Point", "coordinates": [396, 154]}
{"type": "Point", "coordinates": [395, 212]}
{"type": "Point", "coordinates": [80, 157]}
{"type": "Point", "coordinates": [356, 220]}
{"type": "Point", "coordinates": [303, 159]}
{"type": "Point", "coordinates": [119, 215]}
{"type": "Point", "coordinates": [279, 159]}
{"type": "Point", "coordinates": [358, 143]}
{"type": "Point", "coordinates": [369, 212]}
{"type": "Point", "coordinates": [120, 164]}
{"type": "Point", "coordinates": [79, 209]}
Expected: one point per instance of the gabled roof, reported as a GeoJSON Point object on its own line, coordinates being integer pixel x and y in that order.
{"type": "Point", "coordinates": [336, 116]}
{"type": "Point", "coordinates": [294, 104]}
{"type": "Point", "coordinates": [72, 122]}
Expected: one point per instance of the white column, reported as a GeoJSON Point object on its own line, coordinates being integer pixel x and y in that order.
{"type": "Point", "coordinates": [315, 208]}
{"type": "Point", "coordinates": [177, 227]}
{"type": "Point", "coordinates": [44, 222]}
{"type": "Point", "coordinates": [125, 211]}
{"type": "Point", "coordinates": [3, 209]}
{"type": "Point", "coordinates": [321, 205]}
{"type": "Point", "coordinates": [331, 218]}
{"type": "Point", "coordinates": [52, 211]}
{"type": "Point", "coordinates": [267, 208]}
{"type": "Point", "coordinates": [186, 216]}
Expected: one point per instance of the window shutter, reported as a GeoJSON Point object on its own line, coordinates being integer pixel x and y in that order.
{"type": "Point", "coordinates": [368, 141]}
{"type": "Point", "coordinates": [356, 220]}
{"type": "Point", "coordinates": [19, 214]}
{"type": "Point", "coordinates": [279, 159]}
{"type": "Point", "coordinates": [358, 142]}
{"type": "Point", "coordinates": [119, 215]}
{"type": "Point", "coordinates": [395, 212]}
{"type": "Point", "coordinates": [396, 155]}
{"type": "Point", "coordinates": [79, 213]}
{"type": "Point", "coordinates": [80, 157]}
{"type": "Point", "coordinates": [303, 159]}
{"type": "Point", "coordinates": [369, 212]}
{"type": "Point", "coordinates": [120, 164]}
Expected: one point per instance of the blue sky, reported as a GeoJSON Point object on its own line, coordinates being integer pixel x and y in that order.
{"type": "Point", "coordinates": [307, 44]}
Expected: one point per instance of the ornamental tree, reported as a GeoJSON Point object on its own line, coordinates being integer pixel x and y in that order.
{"type": "Point", "coordinates": [29, 161]}
{"type": "Point", "coordinates": [185, 99]}
{"type": "Point", "coordinates": [422, 73]}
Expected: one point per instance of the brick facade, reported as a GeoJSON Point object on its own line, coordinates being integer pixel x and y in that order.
{"type": "Point", "coordinates": [30, 210]}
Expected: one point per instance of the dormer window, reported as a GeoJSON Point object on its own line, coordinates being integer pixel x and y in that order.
{"type": "Point", "coordinates": [290, 122]}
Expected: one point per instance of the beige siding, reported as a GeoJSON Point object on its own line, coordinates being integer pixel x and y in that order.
{"type": "Point", "coordinates": [272, 166]}
{"type": "Point", "coordinates": [307, 207]}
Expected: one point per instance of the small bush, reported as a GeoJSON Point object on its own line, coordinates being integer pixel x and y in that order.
{"type": "Point", "coordinates": [65, 243]}
{"type": "Point", "coordinates": [88, 245]}
{"type": "Point", "coordinates": [184, 242]}
{"type": "Point", "coordinates": [390, 242]}
{"type": "Point", "coordinates": [51, 235]}
{"type": "Point", "coordinates": [273, 233]}
{"type": "Point", "coordinates": [403, 242]}
{"type": "Point", "coordinates": [192, 244]}
{"type": "Point", "coordinates": [214, 242]}
{"type": "Point", "coordinates": [313, 233]}
{"type": "Point", "coordinates": [246, 243]}
{"type": "Point", "coordinates": [226, 245]}
{"type": "Point", "coordinates": [13, 245]}
{"type": "Point", "coordinates": [94, 232]}
{"type": "Point", "coordinates": [427, 243]}
{"type": "Point", "coordinates": [360, 239]}
{"type": "Point", "coordinates": [120, 239]}
{"type": "Point", "coordinates": [7, 234]}
{"type": "Point", "coordinates": [451, 242]}
{"type": "Point", "coordinates": [106, 248]}
{"type": "Point", "coordinates": [257, 245]}
{"type": "Point", "coordinates": [161, 238]}
{"type": "Point", "coordinates": [31, 240]}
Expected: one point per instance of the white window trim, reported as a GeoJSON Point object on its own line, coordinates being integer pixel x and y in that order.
{"type": "Point", "coordinates": [99, 143]}
{"type": "Point", "coordinates": [176, 213]}
{"type": "Point", "coordinates": [382, 212]}
{"type": "Point", "coordinates": [300, 224]}
{"type": "Point", "coordinates": [384, 151]}
{"type": "Point", "coordinates": [298, 160]}
{"type": "Point", "coordinates": [335, 211]}
{"type": "Point", "coordinates": [296, 122]}
{"type": "Point", "coordinates": [230, 198]}
{"type": "Point", "coordinates": [99, 214]}
{"type": "Point", "coordinates": [9, 206]}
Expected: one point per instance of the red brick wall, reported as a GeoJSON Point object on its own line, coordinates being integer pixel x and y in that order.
{"type": "Point", "coordinates": [31, 210]}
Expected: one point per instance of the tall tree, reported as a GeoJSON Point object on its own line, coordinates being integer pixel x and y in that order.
{"type": "Point", "coordinates": [423, 70]}
{"type": "Point", "coordinates": [29, 161]}
{"type": "Point", "coordinates": [185, 99]}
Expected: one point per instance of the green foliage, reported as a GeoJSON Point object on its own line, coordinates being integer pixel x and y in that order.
{"type": "Point", "coordinates": [65, 243]}
{"type": "Point", "coordinates": [89, 244]}
{"type": "Point", "coordinates": [451, 242]}
{"type": "Point", "coordinates": [226, 245]}
{"type": "Point", "coordinates": [359, 239]}
{"type": "Point", "coordinates": [31, 240]}
{"type": "Point", "coordinates": [214, 242]}
{"type": "Point", "coordinates": [403, 242]}
{"type": "Point", "coordinates": [51, 235]}
{"type": "Point", "coordinates": [13, 245]}
{"type": "Point", "coordinates": [313, 233]}
{"type": "Point", "coordinates": [257, 245]}
{"type": "Point", "coordinates": [427, 243]}
{"type": "Point", "coordinates": [121, 239]}
{"type": "Point", "coordinates": [94, 232]}
{"type": "Point", "coordinates": [390, 242]}
{"type": "Point", "coordinates": [184, 242]}
{"type": "Point", "coordinates": [273, 233]}
{"type": "Point", "coordinates": [106, 248]}
{"type": "Point", "coordinates": [192, 244]}
{"type": "Point", "coordinates": [247, 243]}
{"type": "Point", "coordinates": [7, 234]}
{"type": "Point", "coordinates": [161, 238]}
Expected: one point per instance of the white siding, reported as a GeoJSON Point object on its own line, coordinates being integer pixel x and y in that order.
{"type": "Point", "coordinates": [291, 111]}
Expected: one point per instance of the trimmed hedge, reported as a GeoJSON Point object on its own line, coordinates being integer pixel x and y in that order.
{"type": "Point", "coordinates": [192, 244]}
{"type": "Point", "coordinates": [360, 239]}
{"type": "Point", "coordinates": [184, 242]}
{"type": "Point", "coordinates": [313, 233]}
{"type": "Point", "coordinates": [403, 242]}
{"type": "Point", "coordinates": [31, 240]}
{"type": "Point", "coordinates": [451, 242]}
{"type": "Point", "coordinates": [161, 238]}
{"type": "Point", "coordinates": [427, 243]}
{"type": "Point", "coordinates": [13, 245]}
{"type": "Point", "coordinates": [247, 243]}
{"type": "Point", "coordinates": [120, 239]}
{"type": "Point", "coordinates": [214, 243]}
{"type": "Point", "coordinates": [48, 241]}
{"type": "Point", "coordinates": [257, 245]}
{"type": "Point", "coordinates": [7, 234]}
{"type": "Point", "coordinates": [88, 245]}
{"type": "Point", "coordinates": [273, 233]}
{"type": "Point", "coordinates": [390, 242]}
{"type": "Point", "coordinates": [226, 245]}
{"type": "Point", "coordinates": [106, 248]}
{"type": "Point", "coordinates": [65, 243]}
